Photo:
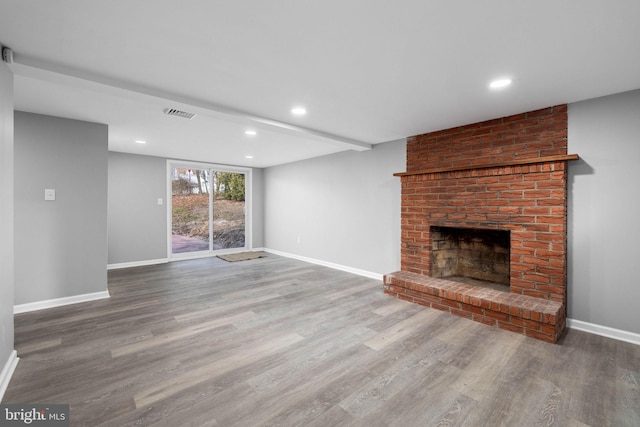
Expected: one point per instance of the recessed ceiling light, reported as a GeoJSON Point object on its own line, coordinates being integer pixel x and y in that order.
{"type": "Point", "coordinates": [248, 157]}
{"type": "Point", "coordinates": [139, 141]}
{"type": "Point", "coordinates": [298, 111]}
{"type": "Point", "coordinates": [496, 84]}
{"type": "Point", "coordinates": [250, 132]}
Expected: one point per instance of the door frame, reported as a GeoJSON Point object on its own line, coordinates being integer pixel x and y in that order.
{"type": "Point", "coordinates": [248, 211]}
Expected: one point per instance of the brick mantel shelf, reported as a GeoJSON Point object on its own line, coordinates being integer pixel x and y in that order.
{"type": "Point", "coordinates": [548, 159]}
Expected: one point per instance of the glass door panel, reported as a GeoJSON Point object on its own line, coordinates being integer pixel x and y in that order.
{"type": "Point", "coordinates": [190, 207]}
{"type": "Point", "coordinates": [228, 210]}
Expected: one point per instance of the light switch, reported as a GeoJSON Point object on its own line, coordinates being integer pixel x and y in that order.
{"type": "Point", "coordinates": [160, 201]}
{"type": "Point", "coordinates": [49, 194]}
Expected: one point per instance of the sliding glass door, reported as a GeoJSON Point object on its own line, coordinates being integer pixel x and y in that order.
{"type": "Point", "coordinates": [208, 209]}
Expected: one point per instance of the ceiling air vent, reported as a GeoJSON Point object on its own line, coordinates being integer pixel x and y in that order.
{"type": "Point", "coordinates": [178, 113]}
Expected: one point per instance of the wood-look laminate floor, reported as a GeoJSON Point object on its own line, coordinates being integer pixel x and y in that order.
{"type": "Point", "coordinates": [279, 342]}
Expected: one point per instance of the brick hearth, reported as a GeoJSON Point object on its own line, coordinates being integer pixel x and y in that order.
{"type": "Point", "coordinates": [504, 174]}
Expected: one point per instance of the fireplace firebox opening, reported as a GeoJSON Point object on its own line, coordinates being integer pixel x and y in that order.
{"type": "Point", "coordinates": [473, 256]}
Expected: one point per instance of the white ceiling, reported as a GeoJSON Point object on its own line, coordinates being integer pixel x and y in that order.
{"type": "Point", "coordinates": [368, 71]}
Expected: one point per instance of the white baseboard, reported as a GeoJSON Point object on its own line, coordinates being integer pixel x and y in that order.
{"type": "Point", "coordinates": [340, 267]}
{"type": "Point", "coordinates": [7, 372]}
{"type": "Point", "coordinates": [604, 331]}
{"type": "Point", "coordinates": [41, 305]}
{"type": "Point", "coordinates": [178, 257]}
{"type": "Point", "coordinates": [137, 263]}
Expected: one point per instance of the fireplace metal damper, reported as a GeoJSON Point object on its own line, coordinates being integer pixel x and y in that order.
{"type": "Point", "coordinates": [478, 257]}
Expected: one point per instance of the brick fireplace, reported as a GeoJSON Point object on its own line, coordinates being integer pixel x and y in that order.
{"type": "Point", "coordinates": [484, 222]}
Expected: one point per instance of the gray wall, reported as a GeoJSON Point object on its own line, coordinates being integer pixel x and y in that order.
{"type": "Point", "coordinates": [6, 213]}
{"type": "Point", "coordinates": [137, 224]}
{"type": "Point", "coordinates": [604, 208]}
{"type": "Point", "coordinates": [61, 245]}
{"type": "Point", "coordinates": [344, 207]}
